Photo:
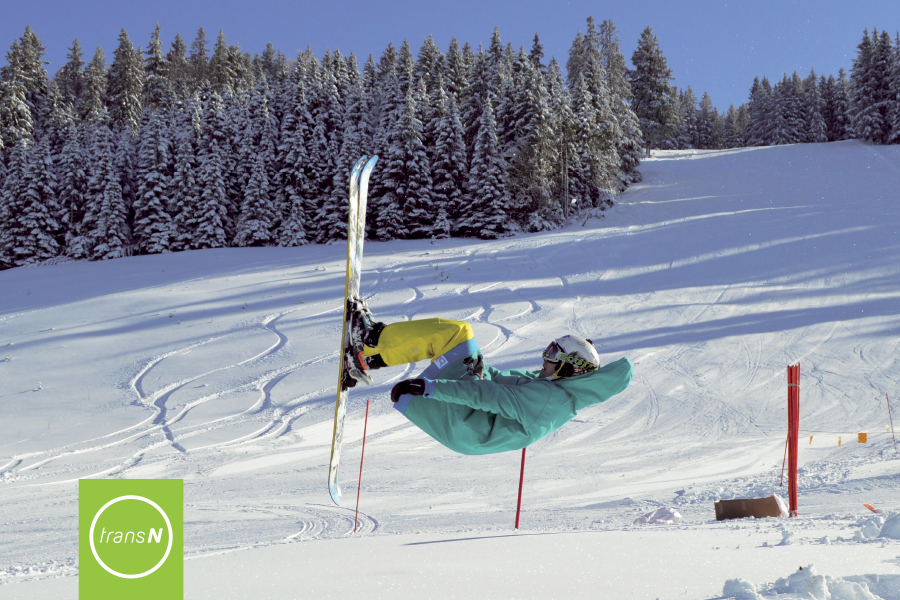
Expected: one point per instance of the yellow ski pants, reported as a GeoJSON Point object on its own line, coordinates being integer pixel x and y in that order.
{"type": "Point", "coordinates": [412, 341]}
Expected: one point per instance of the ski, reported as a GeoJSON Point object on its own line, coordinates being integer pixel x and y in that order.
{"type": "Point", "coordinates": [356, 233]}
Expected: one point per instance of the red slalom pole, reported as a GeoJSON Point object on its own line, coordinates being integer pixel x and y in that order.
{"type": "Point", "coordinates": [892, 421]}
{"type": "Point", "coordinates": [362, 456]}
{"type": "Point", "coordinates": [793, 435]}
{"type": "Point", "coordinates": [521, 480]}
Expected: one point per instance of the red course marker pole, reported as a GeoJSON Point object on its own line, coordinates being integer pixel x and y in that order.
{"type": "Point", "coordinates": [359, 485]}
{"type": "Point", "coordinates": [793, 434]}
{"type": "Point", "coordinates": [521, 480]}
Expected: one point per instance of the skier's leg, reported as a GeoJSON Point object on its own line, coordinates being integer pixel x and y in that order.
{"type": "Point", "coordinates": [424, 339]}
{"type": "Point", "coordinates": [447, 343]}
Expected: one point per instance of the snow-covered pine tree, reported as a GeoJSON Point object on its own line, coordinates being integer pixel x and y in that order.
{"type": "Point", "coordinates": [596, 136]}
{"type": "Point", "coordinates": [456, 79]}
{"type": "Point", "coordinates": [406, 66]}
{"type": "Point", "coordinates": [795, 114]}
{"type": "Point", "coordinates": [480, 86]}
{"type": "Point", "coordinates": [199, 61]}
{"type": "Point", "coordinates": [93, 101]}
{"type": "Point", "coordinates": [536, 55]}
{"type": "Point", "coordinates": [630, 143]}
{"type": "Point", "coordinates": [26, 60]}
{"type": "Point", "coordinates": [759, 111]}
{"type": "Point", "coordinates": [842, 109]}
{"type": "Point", "coordinates": [532, 152]}
{"type": "Point", "coordinates": [449, 165]}
{"type": "Point", "coordinates": [416, 192]}
{"type": "Point", "coordinates": [211, 212]}
{"type": "Point", "coordinates": [179, 69]}
{"type": "Point", "coordinates": [882, 73]}
{"type": "Point", "coordinates": [487, 197]}
{"type": "Point", "coordinates": [866, 116]}
{"type": "Point", "coordinates": [73, 181]}
{"type": "Point", "coordinates": [36, 227]}
{"type": "Point", "coordinates": [429, 63]}
{"type": "Point", "coordinates": [708, 124]}
{"type": "Point", "coordinates": [16, 121]}
{"type": "Point", "coordinates": [184, 187]}
{"type": "Point", "coordinates": [354, 144]}
{"type": "Point", "coordinates": [816, 129]}
{"type": "Point", "coordinates": [654, 99]}
{"type": "Point", "coordinates": [222, 75]}
{"type": "Point", "coordinates": [328, 113]}
{"type": "Point", "coordinates": [105, 223]}
{"type": "Point", "coordinates": [254, 227]}
{"type": "Point", "coordinates": [70, 77]}
{"type": "Point", "coordinates": [731, 129]}
{"type": "Point", "coordinates": [894, 96]}
{"type": "Point", "coordinates": [125, 86]}
{"type": "Point", "coordinates": [11, 194]}
{"type": "Point", "coordinates": [153, 226]}
{"type": "Point", "coordinates": [296, 175]}
{"type": "Point", "coordinates": [781, 132]}
{"type": "Point", "coordinates": [157, 85]}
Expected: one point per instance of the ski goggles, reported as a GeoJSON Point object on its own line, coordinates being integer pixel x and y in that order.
{"type": "Point", "coordinates": [553, 353]}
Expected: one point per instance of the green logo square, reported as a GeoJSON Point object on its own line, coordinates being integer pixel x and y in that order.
{"type": "Point", "coordinates": [130, 539]}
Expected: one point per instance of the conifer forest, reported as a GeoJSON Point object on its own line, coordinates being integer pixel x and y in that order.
{"type": "Point", "coordinates": [191, 147]}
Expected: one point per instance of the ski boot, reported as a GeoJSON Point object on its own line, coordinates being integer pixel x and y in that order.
{"type": "Point", "coordinates": [363, 331]}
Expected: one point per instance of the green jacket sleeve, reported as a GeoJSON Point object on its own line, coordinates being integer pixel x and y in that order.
{"type": "Point", "coordinates": [514, 402]}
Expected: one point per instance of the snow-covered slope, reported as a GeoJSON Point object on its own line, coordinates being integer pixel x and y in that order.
{"type": "Point", "coordinates": [218, 367]}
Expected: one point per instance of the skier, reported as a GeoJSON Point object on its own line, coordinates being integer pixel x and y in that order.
{"type": "Point", "coordinates": [472, 408]}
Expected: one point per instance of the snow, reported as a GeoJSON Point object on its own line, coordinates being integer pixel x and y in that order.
{"type": "Point", "coordinates": [721, 268]}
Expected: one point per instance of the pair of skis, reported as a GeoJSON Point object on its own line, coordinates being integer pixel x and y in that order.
{"type": "Point", "coordinates": [356, 234]}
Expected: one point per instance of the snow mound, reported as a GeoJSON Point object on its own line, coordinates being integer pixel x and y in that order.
{"type": "Point", "coordinates": [740, 589]}
{"type": "Point", "coordinates": [662, 516]}
{"type": "Point", "coordinates": [891, 527]}
{"type": "Point", "coordinates": [805, 583]}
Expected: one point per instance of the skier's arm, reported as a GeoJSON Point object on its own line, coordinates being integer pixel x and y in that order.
{"type": "Point", "coordinates": [514, 402]}
{"type": "Point", "coordinates": [511, 377]}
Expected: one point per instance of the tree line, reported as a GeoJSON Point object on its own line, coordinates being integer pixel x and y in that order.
{"type": "Point", "coordinates": [186, 149]}
{"type": "Point", "coordinates": [814, 109]}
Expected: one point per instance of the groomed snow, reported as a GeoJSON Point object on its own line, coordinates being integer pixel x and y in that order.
{"type": "Point", "coordinates": [723, 267]}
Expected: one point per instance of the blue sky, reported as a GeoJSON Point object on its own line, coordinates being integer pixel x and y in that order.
{"type": "Point", "coordinates": [713, 46]}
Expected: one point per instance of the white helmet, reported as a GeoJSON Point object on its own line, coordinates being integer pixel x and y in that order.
{"type": "Point", "coordinates": [575, 356]}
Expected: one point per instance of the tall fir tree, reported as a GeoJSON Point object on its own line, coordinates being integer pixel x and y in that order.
{"type": "Point", "coordinates": [153, 227]}
{"type": "Point", "coordinates": [866, 82]}
{"type": "Point", "coordinates": [70, 77]}
{"type": "Point", "coordinates": [125, 86]}
{"type": "Point", "coordinates": [157, 84]}
{"type": "Point", "coordinates": [37, 227]}
{"type": "Point", "coordinates": [179, 68]}
{"type": "Point", "coordinates": [184, 188]}
{"type": "Point", "coordinates": [654, 100]}
{"type": "Point", "coordinates": [630, 142]}
{"type": "Point", "coordinates": [93, 101]}
{"type": "Point", "coordinates": [211, 214]}
{"type": "Point", "coordinates": [449, 165]}
{"type": "Point", "coordinates": [816, 129]}
{"type": "Point", "coordinates": [11, 195]}
{"type": "Point", "coordinates": [488, 199]}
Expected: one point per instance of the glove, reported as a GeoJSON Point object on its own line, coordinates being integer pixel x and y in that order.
{"type": "Point", "coordinates": [416, 387]}
{"type": "Point", "coordinates": [475, 366]}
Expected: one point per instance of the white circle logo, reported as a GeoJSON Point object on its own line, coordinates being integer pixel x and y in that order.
{"type": "Point", "coordinates": [168, 526]}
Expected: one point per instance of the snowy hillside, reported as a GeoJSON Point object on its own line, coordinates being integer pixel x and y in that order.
{"type": "Point", "coordinates": [714, 274]}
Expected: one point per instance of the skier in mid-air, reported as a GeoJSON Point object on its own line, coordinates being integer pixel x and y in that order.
{"type": "Point", "coordinates": [472, 408]}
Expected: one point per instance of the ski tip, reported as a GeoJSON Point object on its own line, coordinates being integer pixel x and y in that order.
{"type": "Point", "coordinates": [371, 164]}
{"type": "Point", "coordinates": [335, 492]}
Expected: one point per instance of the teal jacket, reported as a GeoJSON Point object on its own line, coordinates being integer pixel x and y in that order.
{"type": "Point", "coordinates": [509, 410]}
